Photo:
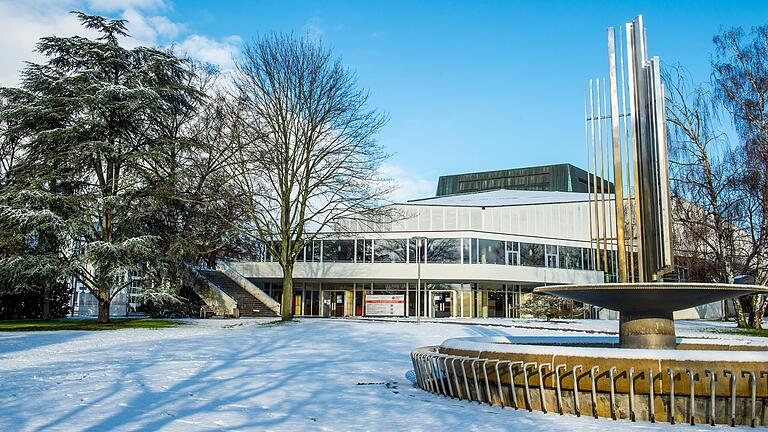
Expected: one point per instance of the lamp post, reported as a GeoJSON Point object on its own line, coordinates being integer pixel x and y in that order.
{"type": "Point", "coordinates": [418, 241]}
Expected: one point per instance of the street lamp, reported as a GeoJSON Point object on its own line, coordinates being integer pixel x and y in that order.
{"type": "Point", "coordinates": [418, 241]}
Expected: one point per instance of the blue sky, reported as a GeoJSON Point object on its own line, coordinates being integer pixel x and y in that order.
{"type": "Point", "coordinates": [468, 85]}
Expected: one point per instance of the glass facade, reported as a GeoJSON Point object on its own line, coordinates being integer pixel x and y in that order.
{"type": "Point", "coordinates": [389, 250]}
{"type": "Point", "coordinates": [338, 250]}
{"type": "Point", "coordinates": [445, 250]}
{"type": "Point", "coordinates": [450, 251]}
{"type": "Point", "coordinates": [489, 252]}
{"type": "Point", "coordinates": [532, 254]}
{"type": "Point", "coordinates": [570, 257]}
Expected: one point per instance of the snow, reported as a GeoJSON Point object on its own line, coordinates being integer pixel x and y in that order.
{"type": "Point", "coordinates": [249, 374]}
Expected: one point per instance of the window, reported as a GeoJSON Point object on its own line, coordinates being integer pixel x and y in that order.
{"type": "Point", "coordinates": [389, 250]}
{"type": "Point", "coordinates": [553, 260]}
{"type": "Point", "coordinates": [465, 251]}
{"type": "Point", "coordinates": [446, 250]}
{"type": "Point", "coordinates": [570, 257]}
{"type": "Point", "coordinates": [364, 250]}
{"type": "Point", "coordinates": [338, 250]}
{"type": "Point", "coordinates": [513, 253]}
{"type": "Point", "coordinates": [532, 254]}
{"type": "Point", "coordinates": [589, 255]}
{"type": "Point", "coordinates": [491, 251]}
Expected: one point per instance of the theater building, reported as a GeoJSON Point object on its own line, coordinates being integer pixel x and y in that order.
{"type": "Point", "coordinates": [478, 254]}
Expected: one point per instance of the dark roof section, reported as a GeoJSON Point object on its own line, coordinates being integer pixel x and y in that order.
{"type": "Point", "coordinates": [554, 178]}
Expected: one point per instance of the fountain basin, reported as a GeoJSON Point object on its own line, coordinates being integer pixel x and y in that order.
{"type": "Point", "coordinates": [703, 382]}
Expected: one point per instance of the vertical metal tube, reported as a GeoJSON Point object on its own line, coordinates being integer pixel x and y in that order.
{"type": "Point", "coordinates": [439, 374]}
{"type": "Point", "coordinates": [753, 393]}
{"type": "Point", "coordinates": [621, 252]}
{"type": "Point", "coordinates": [415, 369]}
{"type": "Point", "coordinates": [611, 373]}
{"type": "Point", "coordinates": [487, 382]}
{"type": "Point", "coordinates": [651, 398]}
{"type": "Point", "coordinates": [631, 378]}
{"type": "Point", "coordinates": [466, 382]}
{"type": "Point", "coordinates": [477, 386]}
{"type": "Point", "coordinates": [525, 384]}
{"type": "Point", "coordinates": [597, 264]}
{"type": "Point", "coordinates": [628, 157]}
{"type": "Point", "coordinates": [498, 383]}
{"type": "Point", "coordinates": [428, 373]}
{"type": "Point", "coordinates": [634, 108]}
{"type": "Point", "coordinates": [448, 376]}
{"type": "Point", "coordinates": [603, 221]}
{"type": "Point", "coordinates": [455, 376]}
{"type": "Point", "coordinates": [692, 397]}
{"type": "Point", "coordinates": [576, 408]}
{"type": "Point", "coordinates": [594, 389]}
{"type": "Point", "coordinates": [542, 397]}
{"type": "Point", "coordinates": [671, 412]}
{"type": "Point", "coordinates": [733, 394]}
{"type": "Point", "coordinates": [512, 391]}
{"type": "Point", "coordinates": [558, 390]}
{"type": "Point", "coordinates": [589, 169]}
{"type": "Point", "coordinates": [712, 395]}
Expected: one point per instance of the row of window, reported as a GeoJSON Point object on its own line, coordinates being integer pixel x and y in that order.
{"type": "Point", "coordinates": [450, 251]}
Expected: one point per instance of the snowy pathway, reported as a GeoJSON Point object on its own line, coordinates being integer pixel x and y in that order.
{"type": "Point", "coordinates": [245, 375]}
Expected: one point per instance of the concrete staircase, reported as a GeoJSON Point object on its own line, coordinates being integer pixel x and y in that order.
{"type": "Point", "coordinates": [247, 304]}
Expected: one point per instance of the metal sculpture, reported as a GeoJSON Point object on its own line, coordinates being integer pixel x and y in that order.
{"type": "Point", "coordinates": [636, 221]}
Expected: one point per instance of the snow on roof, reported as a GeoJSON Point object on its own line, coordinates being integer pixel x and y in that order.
{"type": "Point", "coordinates": [503, 197]}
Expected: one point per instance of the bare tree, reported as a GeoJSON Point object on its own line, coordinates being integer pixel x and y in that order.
{"type": "Point", "coordinates": [740, 72]}
{"type": "Point", "coordinates": [707, 203]}
{"type": "Point", "coordinates": [308, 153]}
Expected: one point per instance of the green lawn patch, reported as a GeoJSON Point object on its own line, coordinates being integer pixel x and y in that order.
{"type": "Point", "coordinates": [84, 324]}
{"type": "Point", "coordinates": [746, 331]}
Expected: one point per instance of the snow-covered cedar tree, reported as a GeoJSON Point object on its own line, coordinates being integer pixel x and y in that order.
{"type": "Point", "coordinates": [546, 306]}
{"type": "Point", "coordinates": [33, 237]}
{"type": "Point", "coordinates": [84, 119]}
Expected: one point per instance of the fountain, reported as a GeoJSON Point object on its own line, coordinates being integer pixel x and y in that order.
{"type": "Point", "coordinates": [647, 373]}
{"type": "Point", "coordinates": [645, 309]}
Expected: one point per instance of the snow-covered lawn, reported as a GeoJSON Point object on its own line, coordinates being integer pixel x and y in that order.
{"type": "Point", "coordinates": [316, 374]}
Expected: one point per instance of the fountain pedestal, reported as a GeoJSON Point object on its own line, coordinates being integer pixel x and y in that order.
{"type": "Point", "coordinates": [645, 309]}
{"type": "Point", "coordinates": [651, 331]}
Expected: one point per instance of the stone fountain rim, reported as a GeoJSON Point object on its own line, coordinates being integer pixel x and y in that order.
{"type": "Point", "coordinates": [502, 345]}
{"type": "Point", "coordinates": [654, 286]}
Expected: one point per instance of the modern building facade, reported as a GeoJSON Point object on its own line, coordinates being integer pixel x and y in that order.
{"type": "Point", "coordinates": [553, 178]}
{"type": "Point", "coordinates": [477, 255]}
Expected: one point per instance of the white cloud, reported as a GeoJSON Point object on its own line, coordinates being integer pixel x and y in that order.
{"type": "Point", "coordinates": [24, 23]}
{"type": "Point", "coordinates": [149, 30]}
{"type": "Point", "coordinates": [207, 50]}
{"type": "Point", "coordinates": [407, 186]}
{"type": "Point", "coordinates": [313, 29]}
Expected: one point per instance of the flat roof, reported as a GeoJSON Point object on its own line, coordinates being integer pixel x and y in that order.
{"type": "Point", "coordinates": [502, 197]}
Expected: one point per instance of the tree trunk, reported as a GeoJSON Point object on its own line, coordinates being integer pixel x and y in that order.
{"type": "Point", "coordinates": [758, 310]}
{"type": "Point", "coordinates": [741, 319]}
{"type": "Point", "coordinates": [286, 308]}
{"type": "Point", "coordinates": [104, 302]}
{"type": "Point", "coordinates": [46, 305]}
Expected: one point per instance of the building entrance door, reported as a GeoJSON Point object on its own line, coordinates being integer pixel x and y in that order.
{"type": "Point", "coordinates": [338, 297]}
{"type": "Point", "coordinates": [442, 304]}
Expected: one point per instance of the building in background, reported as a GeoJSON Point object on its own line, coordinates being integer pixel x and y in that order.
{"type": "Point", "coordinates": [484, 254]}
{"type": "Point", "coordinates": [554, 178]}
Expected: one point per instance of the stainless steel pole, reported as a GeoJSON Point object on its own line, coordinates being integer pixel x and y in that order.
{"type": "Point", "coordinates": [418, 281]}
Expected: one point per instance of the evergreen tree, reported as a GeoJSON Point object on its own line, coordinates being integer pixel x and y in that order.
{"type": "Point", "coordinates": [86, 117]}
